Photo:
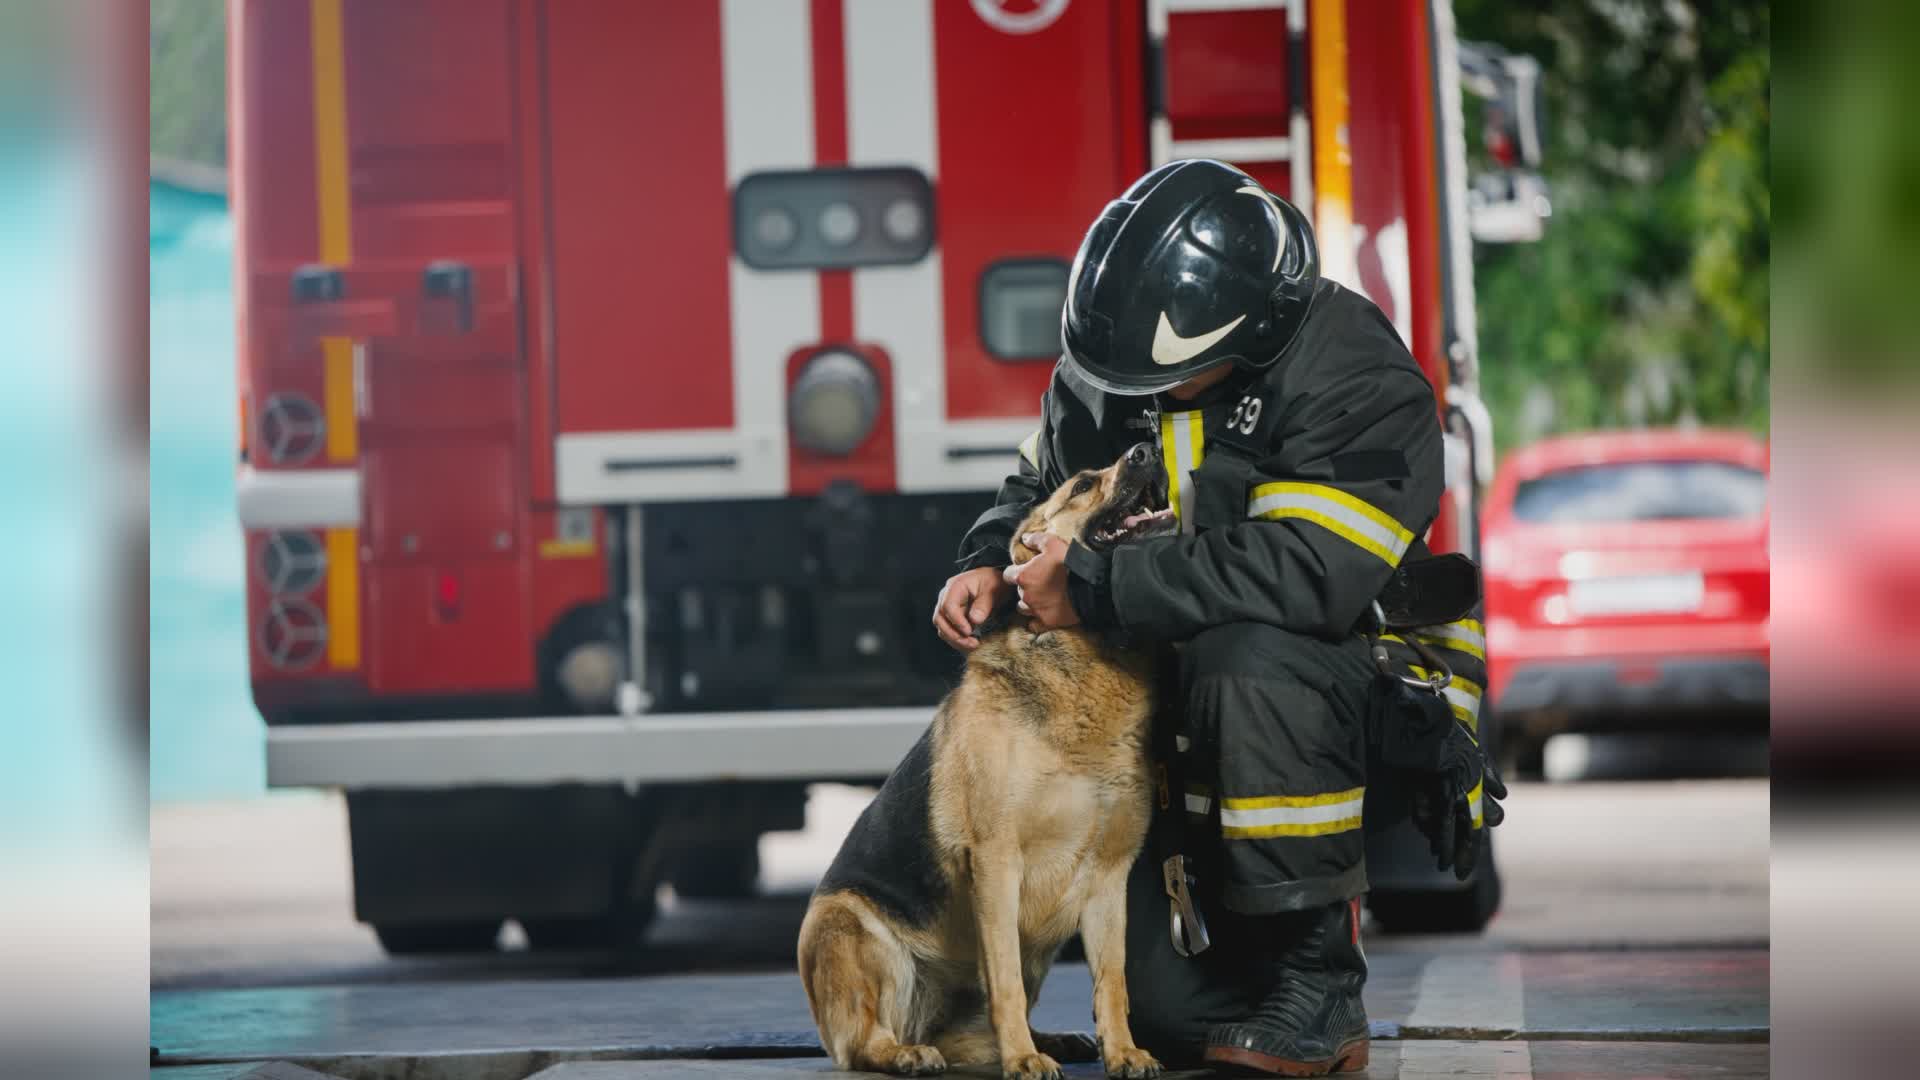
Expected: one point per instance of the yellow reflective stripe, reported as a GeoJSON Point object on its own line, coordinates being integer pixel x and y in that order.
{"type": "Point", "coordinates": [343, 598]}
{"type": "Point", "coordinates": [1466, 636]}
{"type": "Point", "coordinates": [1473, 802]}
{"type": "Point", "coordinates": [1030, 449]}
{"type": "Point", "coordinates": [1266, 816]}
{"type": "Point", "coordinates": [336, 399]}
{"type": "Point", "coordinates": [1197, 428]}
{"type": "Point", "coordinates": [1170, 462]}
{"type": "Point", "coordinates": [1268, 802]}
{"type": "Point", "coordinates": [1182, 444]}
{"type": "Point", "coordinates": [566, 549]}
{"type": "Point", "coordinates": [1352, 519]}
{"type": "Point", "coordinates": [1266, 832]}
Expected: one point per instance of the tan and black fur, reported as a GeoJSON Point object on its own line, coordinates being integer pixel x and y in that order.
{"type": "Point", "coordinates": [1011, 824]}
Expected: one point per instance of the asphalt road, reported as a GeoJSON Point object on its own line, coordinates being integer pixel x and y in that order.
{"type": "Point", "coordinates": [1633, 941]}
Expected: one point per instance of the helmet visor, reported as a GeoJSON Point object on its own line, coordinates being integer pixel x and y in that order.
{"type": "Point", "coordinates": [1140, 384]}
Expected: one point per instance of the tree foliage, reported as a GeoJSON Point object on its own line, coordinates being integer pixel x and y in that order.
{"type": "Point", "coordinates": [1646, 302]}
{"type": "Point", "coordinates": [187, 109]}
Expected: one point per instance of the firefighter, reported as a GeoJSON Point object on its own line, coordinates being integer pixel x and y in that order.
{"type": "Point", "coordinates": [1303, 458]}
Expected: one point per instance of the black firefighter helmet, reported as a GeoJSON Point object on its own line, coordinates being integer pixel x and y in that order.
{"type": "Point", "coordinates": [1196, 266]}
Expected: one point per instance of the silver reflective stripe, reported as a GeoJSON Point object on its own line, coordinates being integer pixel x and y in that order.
{"type": "Point", "coordinates": [1263, 817]}
{"type": "Point", "coordinates": [1464, 694]}
{"type": "Point", "coordinates": [1350, 518]}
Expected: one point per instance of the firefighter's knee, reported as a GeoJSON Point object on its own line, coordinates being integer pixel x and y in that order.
{"type": "Point", "coordinates": [1277, 765]}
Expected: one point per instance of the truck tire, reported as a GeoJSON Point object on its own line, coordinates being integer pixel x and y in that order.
{"type": "Point", "coordinates": [729, 871]}
{"type": "Point", "coordinates": [1430, 911]}
{"type": "Point", "coordinates": [427, 939]}
{"type": "Point", "coordinates": [591, 933]}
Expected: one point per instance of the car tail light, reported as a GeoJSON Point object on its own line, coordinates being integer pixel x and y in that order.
{"type": "Point", "coordinates": [447, 593]}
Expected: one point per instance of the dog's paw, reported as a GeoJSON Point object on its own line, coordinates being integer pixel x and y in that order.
{"type": "Point", "coordinates": [914, 1061]}
{"type": "Point", "coordinates": [1132, 1063]}
{"type": "Point", "coordinates": [1034, 1066]}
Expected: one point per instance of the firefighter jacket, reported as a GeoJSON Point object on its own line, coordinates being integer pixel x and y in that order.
{"type": "Point", "coordinates": [1298, 489]}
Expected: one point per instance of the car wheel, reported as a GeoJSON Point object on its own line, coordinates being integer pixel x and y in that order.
{"type": "Point", "coordinates": [421, 939]}
{"type": "Point", "coordinates": [722, 872]}
{"type": "Point", "coordinates": [1427, 911]}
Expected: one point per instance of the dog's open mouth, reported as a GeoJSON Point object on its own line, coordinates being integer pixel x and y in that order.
{"type": "Point", "coordinates": [1137, 511]}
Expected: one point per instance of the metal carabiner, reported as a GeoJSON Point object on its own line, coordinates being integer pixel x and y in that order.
{"type": "Point", "coordinates": [1189, 930]}
{"type": "Point", "coordinates": [1438, 676]}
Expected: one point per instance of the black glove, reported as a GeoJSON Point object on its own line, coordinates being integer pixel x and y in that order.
{"type": "Point", "coordinates": [1453, 804]}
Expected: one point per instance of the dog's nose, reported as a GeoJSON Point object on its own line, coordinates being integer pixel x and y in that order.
{"type": "Point", "coordinates": [1141, 454]}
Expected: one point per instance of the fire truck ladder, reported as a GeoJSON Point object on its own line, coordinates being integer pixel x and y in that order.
{"type": "Point", "coordinates": [1295, 147]}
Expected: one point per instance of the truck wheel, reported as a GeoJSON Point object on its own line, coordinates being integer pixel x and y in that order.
{"type": "Point", "coordinates": [590, 933]}
{"type": "Point", "coordinates": [418, 939]}
{"type": "Point", "coordinates": [586, 934]}
{"type": "Point", "coordinates": [1429, 911]}
{"type": "Point", "coordinates": [722, 872]}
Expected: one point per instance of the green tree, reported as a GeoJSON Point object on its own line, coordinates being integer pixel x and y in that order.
{"type": "Point", "coordinates": [187, 80]}
{"type": "Point", "coordinates": [1646, 301]}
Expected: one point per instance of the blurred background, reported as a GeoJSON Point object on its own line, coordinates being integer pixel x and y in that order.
{"type": "Point", "coordinates": [1622, 271]}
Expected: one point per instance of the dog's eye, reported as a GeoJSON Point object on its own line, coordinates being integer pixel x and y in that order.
{"type": "Point", "coordinates": [1085, 485]}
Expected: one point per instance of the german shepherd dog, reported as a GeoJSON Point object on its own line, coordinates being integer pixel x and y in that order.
{"type": "Point", "coordinates": [1011, 824]}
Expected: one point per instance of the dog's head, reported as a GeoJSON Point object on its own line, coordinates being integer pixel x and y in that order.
{"type": "Point", "coordinates": [1103, 508]}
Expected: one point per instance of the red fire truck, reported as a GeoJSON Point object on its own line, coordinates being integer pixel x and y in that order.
{"type": "Point", "coordinates": [616, 379]}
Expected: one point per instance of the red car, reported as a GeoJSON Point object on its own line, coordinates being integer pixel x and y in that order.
{"type": "Point", "coordinates": [1627, 585]}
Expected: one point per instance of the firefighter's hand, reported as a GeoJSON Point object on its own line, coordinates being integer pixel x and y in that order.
{"type": "Point", "coordinates": [965, 602]}
{"type": "Point", "coordinates": [1042, 581]}
{"type": "Point", "coordinates": [1456, 805]}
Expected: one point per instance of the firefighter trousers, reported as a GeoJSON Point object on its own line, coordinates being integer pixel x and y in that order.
{"type": "Point", "coordinates": [1266, 784]}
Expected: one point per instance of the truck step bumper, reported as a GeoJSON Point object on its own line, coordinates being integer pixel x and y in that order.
{"type": "Point", "coordinates": [812, 744]}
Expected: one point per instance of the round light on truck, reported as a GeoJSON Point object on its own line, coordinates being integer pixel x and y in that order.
{"type": "Point", "coordinates": [834, 403]}
{"type": "Point", "coordinates": [774, 228]}
{"type": "Point", "coordinates": [903, 221]}
{"type": "Point", "coordinates": [839, 224]}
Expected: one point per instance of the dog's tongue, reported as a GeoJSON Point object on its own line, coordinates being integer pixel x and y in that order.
{"type": "Point", "coordinates": [1135, 519]}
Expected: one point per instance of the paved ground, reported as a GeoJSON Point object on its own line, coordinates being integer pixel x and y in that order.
{"type": "Point", "coordinates": [1633, 943]}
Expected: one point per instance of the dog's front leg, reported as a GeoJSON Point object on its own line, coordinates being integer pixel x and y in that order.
{"type": "Point", "coordinates": [1103, 929]}
{"type": "Point", "coordinates": [996, 905]}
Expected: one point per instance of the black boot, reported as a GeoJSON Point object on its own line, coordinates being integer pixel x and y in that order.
{"type": "Point", "coordinates": [1311, 1022]}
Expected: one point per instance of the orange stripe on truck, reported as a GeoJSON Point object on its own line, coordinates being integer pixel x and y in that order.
{"type": "Point", "coordinates": [1332, 156]}
{"type": "Point", "coordinates": [334, 214]}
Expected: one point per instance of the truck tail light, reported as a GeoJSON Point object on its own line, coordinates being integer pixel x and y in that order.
{"type": "Point", "coordinates": [834, 403]}
{"type": "Point", "coordinates": [292, 635]}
